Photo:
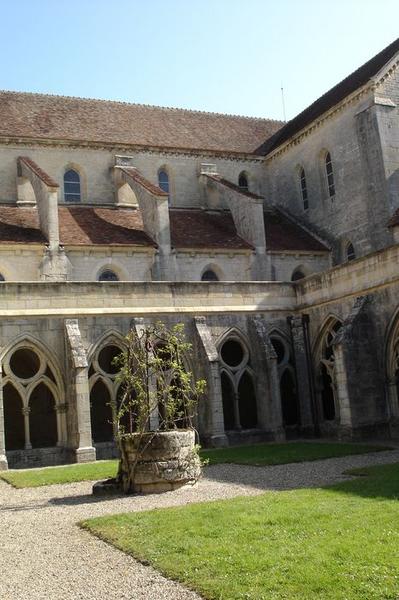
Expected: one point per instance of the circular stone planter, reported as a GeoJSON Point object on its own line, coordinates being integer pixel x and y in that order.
{"type": "Point", "coordinates": [158, 461]}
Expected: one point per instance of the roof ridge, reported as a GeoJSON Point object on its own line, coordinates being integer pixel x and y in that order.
{"type": "Point", "coordinates": [142, 105]}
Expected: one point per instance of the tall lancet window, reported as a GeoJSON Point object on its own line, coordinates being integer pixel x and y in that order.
{"type": "Point", "coordinates": [304, 189]}
{"type": "Point", "coordinates": [330, 175]}
{"type": "Point", "coordinates": [72, 186]}
{"type": "Point", "coordinates": [163, 181]}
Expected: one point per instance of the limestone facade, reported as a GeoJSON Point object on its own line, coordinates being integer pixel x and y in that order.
{"type": "Point", "coordinates": [276, 245]}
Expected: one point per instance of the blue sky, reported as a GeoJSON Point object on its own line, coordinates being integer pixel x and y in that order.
{"type": "Point", "coordinates": [229, 56]}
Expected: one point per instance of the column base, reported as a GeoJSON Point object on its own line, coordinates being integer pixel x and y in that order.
{"type": "Point", "coordinates": [217, 441]}
{"type": "Point", "coordinates": [84, 455]}
{"type": "Point", "coordinates": [3, 462]}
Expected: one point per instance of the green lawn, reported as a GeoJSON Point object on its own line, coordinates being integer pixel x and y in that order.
{"type": "Point", "coordinates": [258, 454]}
{"type": "Point", "coordinates": [279, 454]}
{"type": "Point", "coordinates": [336, 543]}
{"type": "Point", "coordinates": [103, 469]}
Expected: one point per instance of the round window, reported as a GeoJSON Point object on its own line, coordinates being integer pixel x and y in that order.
{"type": "Point", "coordinates": [24, 363]}
{"type": "Point", "coordinates": [106, 358]}
{"type": "Point", "coordinates": [232, 353]}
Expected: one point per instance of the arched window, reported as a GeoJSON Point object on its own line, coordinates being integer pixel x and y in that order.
{"type": "Point", "coordinates": [243, 182]}
{"type": "Point", "coordinates": [238, 390]}
{"type": "Point", "coordinates": [330, 175]}
{"type": "Point", "coordinates": [209, 275]}
{"type": "Point", "coordinates": [304, 189]}
{"type": "Point", "coordinates": [163, 181]}
{"type": "Point", "coordinates": [350, 252]}
{"type": "Point", "coordinates": [108, 275]}
{"type": "Point", "coordinates": [297, 275]}
{"type": "Point", "coordinates": [72, 186]}
{"type": "Point", "coordinates": [33, 399]}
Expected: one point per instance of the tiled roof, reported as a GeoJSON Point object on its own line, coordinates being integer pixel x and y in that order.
{"type": "Point", "coordinates": [81, 226]}
{"type": "Point", "coordinates": [233, 186]}
{"type": "Point", "coordinates": [20, 226]}
{"type": "Point", "coordinates": [65, 118]}
{"type": "Point", "coordinates": [86, 226]}
{"type": "Point", "coordinates": [195, 228]}
{"type": "Point", "coordinates": [284, 235]}
{"type": "Point", "coordinates": [394, 220]}
{"type": "Point", "coordinates": [138, 178]}
{"type": "Point", "coordinates": [49, 181]}
{"type": "Point", "coordinates": [335, 95]}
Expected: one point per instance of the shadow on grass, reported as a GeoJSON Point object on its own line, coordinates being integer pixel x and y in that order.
{"type": "Point", "coordinates": [375, 482]}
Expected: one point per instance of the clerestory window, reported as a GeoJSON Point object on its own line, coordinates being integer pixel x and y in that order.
{"type": "Point", "coordinates": [72, 186]}
{"type": "Point", "coordinates": [243, 182]}
{"type": "Point", "coordinates": [163, 181]}
{"type": "Point", "coordinates": [304, 189]}
{"type": "Point", "coordinates": [329, 175]}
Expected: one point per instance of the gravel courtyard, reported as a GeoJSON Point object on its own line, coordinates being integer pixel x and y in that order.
{"type": "Point", "coordinates": [46, 556]}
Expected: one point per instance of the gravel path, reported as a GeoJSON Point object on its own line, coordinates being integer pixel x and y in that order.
{"type": "Point", "coordinates": [45, 556]}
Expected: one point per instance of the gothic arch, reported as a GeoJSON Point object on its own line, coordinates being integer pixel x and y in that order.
{"type": "Point", "coordinates": [324, 368]}
{"type": "Point", "coordinates": [31, 342]}
{"type": "Point", "coordinates": [110, 337]}
{"type": "Point", "coordinates": [392, 363]}
{"type": "Point", "coordinates": [73, 166]}
{"type": "Point", "coordinates": [35, 376]}
{"type": "Point", "coordinates": [238, 381]}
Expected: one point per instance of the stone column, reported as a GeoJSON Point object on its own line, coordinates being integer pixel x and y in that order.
{"type": "Point", "coordinates": [341, 387]}
{"type": "Point", "coordinates": [216, 433]}
{"type": "Point", "coordinates": [393, 398]}
{"type": "Point", "coordinates": [26, 412]}
{"type": "Point", "coordinates": [79, 393]}
{"type": "Point", "coordinates": [85, 451]}
{"type": "Point", "coordinates": [236, 409]}
{"type": "Point", "coordinates": [270, 416]}
{"type": "Point", "coordinates": [303, 372]}
{"type": "Point", "coordinates": [60, 410]}
{"type": "Point", "coordinates": [3, 458]}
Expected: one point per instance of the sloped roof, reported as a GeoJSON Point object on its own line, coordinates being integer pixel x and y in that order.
{"type": "Point", "coordinates": [335, 95]}
{"type": "Point", "coordinates": [88, 225]}
{"type": "Point", "coordinates": [284, 235]}
{"type": "Point", "coordinates": [20, 226]}
{"type": "Point", "coordinates": [232, 186]}
{"type": "Point", "coordinates": [196, 228]}
{"type": "Point", "coordinates": [77, 119]}
{"type": "Point", "coordinates": [79, 226]}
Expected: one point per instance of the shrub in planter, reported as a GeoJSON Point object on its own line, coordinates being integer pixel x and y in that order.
{"type": "Point", "coordinates": [154, 417]}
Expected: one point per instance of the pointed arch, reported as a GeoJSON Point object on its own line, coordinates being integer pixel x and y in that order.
{"type": "Point", "coordinates": [45, 352]}
{"type": "Point", "coordinates": [14, 427]}
{"type": "Point", "coordinates": [391, 339]}
{"type": "Point", "coordinates": [101, 413]}
{"type": "Point", "coordinates": [228, 400]}
{"type": "Point", "coordinates": [232, 332]}
{"type": "Point", "coordinates": [247, 405]}
{"type": "Point", "coordinates": [109, 337]}
{"type": "Point", "coordinates": [42, 416]}
{"type": "Point", "coordinates": [328, 322]}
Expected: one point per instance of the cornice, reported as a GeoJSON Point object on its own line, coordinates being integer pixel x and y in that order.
{"type": "Point", "coordinates": [118, 149]}
{"type": "Point", "coordinates": [306, 131]}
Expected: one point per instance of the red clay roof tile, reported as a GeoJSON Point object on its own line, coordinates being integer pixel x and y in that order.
{"type": "Point", "coordinates": [65, 118]}
{"type": "Point", "coordinates": [196, 228]}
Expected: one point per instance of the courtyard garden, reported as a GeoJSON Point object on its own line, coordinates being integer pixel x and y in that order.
{"type": "Point", "coordinates": [340, 542]}
{"type": "Point", "coordinates": [257, 455]}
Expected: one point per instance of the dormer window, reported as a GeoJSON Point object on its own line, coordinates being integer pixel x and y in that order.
{"type": "Point", "coordinates": [243, 182]}
{"type": "Point", "coordinates": [72, 186]}
{"type": "Point", "coordinates": [304, 189]}
{"type": "Point", "coordinates": [330, 175]}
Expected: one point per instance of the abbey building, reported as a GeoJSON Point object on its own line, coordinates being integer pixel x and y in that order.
{"type": "Point", "coordinates": [276, 244]}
